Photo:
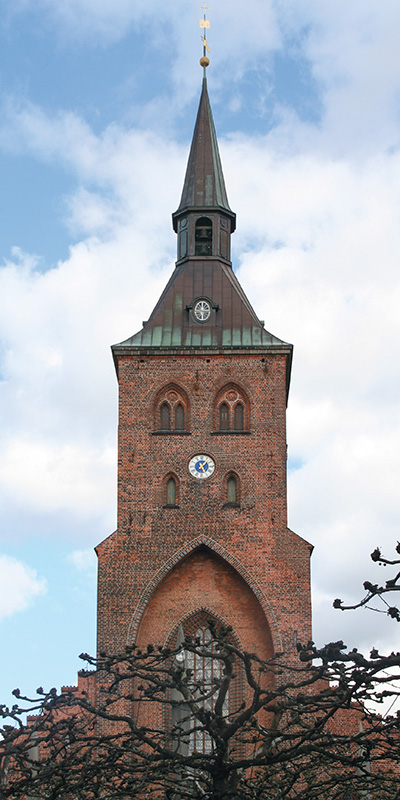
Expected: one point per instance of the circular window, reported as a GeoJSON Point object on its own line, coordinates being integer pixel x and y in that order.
{"type": "Point", "coordinates": [202, 310]}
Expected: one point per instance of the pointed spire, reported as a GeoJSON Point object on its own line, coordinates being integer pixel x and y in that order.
{"type": "Point", "coordinates": [204, 186]}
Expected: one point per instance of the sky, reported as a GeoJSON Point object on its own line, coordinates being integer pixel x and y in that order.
{"type": "Point", "coordinates": [97, 105]}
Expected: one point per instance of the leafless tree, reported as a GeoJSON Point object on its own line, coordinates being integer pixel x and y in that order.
{"type": "Point", "coordinates": [207, 720]}
{"type": "Point", "coordinates": [376, 591]}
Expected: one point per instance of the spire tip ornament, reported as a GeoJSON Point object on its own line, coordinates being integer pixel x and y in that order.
{"type": "Point", "coordinates": [204, 25]}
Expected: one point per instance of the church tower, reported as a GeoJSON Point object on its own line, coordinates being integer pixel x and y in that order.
{"type": "Point", "coordinates": [202, 518]}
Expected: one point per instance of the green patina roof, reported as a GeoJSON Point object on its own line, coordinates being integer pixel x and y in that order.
{"type": "Point", "coordinates": [204, 185]}
{"type": "Point", "coordinates": [233, 323]}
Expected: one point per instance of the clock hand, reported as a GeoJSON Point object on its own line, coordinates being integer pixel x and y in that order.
{"type": "Point", "coordinates": [201, 466]}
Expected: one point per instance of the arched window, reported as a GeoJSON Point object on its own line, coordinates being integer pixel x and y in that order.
{"type": "Point", "coordinates": [179, 418]}
{"type": "Point", "coordinates": [232, 490]}
{"type": "Point", "coordinates": [238, 417]}
{"type": "Point", "coordinates": [171, 492]}
{"type": "Point", "coordinates": [223, 417]}
{"type": "Point", "coordinates": [165, 417]}
{"type": "Point", "coordinates": [171, 410]}
{"type": "Point", "coordinates": [203, 237]}
{"type": "Point", "coordinates": [232, 410]}
{"type": "Point", "coordinates": [206, 671]}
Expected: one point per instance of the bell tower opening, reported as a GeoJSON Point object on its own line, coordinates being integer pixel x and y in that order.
{"type": "Point", "coordinates": [203, 237]}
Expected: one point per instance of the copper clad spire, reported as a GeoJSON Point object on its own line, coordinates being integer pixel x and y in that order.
{"type": "Point", "coordinates": [204, 186]}
{"type": "Point", "coordinates": [203, 276]}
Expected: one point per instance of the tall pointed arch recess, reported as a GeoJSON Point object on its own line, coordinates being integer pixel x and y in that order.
{"type": "Point", "coordinates": [233, 562]}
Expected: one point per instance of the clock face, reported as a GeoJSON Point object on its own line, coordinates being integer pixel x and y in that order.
{"type": "Point", "coordinates": [201, 466]}
{"type": "Point", "coordinates": [202, 310]}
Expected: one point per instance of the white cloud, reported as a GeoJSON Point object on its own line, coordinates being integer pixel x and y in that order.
{"type": "Point", "coordinates": [353, 50]}
{"type": "Point", "coordinates": [84, 561]}
{"type": "Point", "coordinates": [318, 248]}
{"type": "Point", "coordinates": [107, 21]}
{"type": "Point", "coordinates": [51, 477]}
{"type": "Point", "coordinates": [19, 586]}
{"type": "Point", "coordinates": [318, 245]}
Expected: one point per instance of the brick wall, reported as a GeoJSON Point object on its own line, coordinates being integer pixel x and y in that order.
{"type": "Point", "coordinates": [239, 562]}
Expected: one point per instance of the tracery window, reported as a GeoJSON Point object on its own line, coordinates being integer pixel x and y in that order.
{"type": "Point", "coordinates": [232, 410]}
{"type": "Point", "coordinates": [171, 411]}
{"type": "Point", "coordinates": [204, 670]}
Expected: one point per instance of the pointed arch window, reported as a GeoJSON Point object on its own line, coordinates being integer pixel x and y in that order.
{"type": "Point", "coordinates": [171, 411]}
{"type": "Point", "coordinates": [179, 417]}
{"type": "Point", "coordinates": [169, 496]}
{"type": "Point", "coordinates": [231, 490]}
{"type": "Point", "coordinates": [223, 417]}
{"type": "Point", "coordinates": [171, 492]}
{"type": "Point", "coordinates": [206, 670]}
{"type": "Point", "coordinates": [203, 237]}
{"type": "Point", "coordinates": [232, 410]}
{"type": "Point", "coordinates": [165, 417]}
{"type": "Point", "coordinates": [238, 417]}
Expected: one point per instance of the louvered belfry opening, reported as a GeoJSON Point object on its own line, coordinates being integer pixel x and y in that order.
{"type": "Point", "coordinates": [203, 237]}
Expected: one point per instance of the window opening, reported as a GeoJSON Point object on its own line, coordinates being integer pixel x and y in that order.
{"type": "Point", "coordinates": [223, 417]}
{"type": "Point", "coordinates": [232, 495]}
{"type": "Point", "coordinates": [172, 411]}
{"type": "Point", "coordinates": [171, 492]}
{"type": "Point", "coordinates": [232, 410]}
{"type": "Point", "coordinates": [238, 417]}
{"type": "Point", "coordinates": [165, 417]}
{"type": "Point", "coordinates": [179, 418]}
{"type": "Point", "coordinates": [206, 671]}
{"type": "Point", "coordinates": [203, 237]}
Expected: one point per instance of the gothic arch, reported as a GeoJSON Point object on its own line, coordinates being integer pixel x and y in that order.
{"type": "Point", "coordinates": [216, 548]}
{"type": "Point", "coordinates": [172, 400]}
{"type": "Point", "coordinates": [166, 500]}
{"type": "Point", "coordinates": [231, 399]}
{"type": "Point", "coordinates": [234, 477]}
{"type": "Point", "coordinates": [205, 612]}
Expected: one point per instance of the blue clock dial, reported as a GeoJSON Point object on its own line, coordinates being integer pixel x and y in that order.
{"type": "Point", "coordinates": [201, 466]}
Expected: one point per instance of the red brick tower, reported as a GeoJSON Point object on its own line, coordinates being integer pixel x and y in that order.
{"type": "Point", "coordinates": [202, 525]}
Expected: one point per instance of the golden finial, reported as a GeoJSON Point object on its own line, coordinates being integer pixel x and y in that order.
{"type": "Point", "coordinates": [204, 25]}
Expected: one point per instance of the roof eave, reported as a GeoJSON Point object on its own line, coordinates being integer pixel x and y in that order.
{"type": "Point", "coordinates": [121, 350]}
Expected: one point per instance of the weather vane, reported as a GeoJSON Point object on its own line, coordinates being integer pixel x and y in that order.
{"type": "Point", "coordinates": [204, 25]}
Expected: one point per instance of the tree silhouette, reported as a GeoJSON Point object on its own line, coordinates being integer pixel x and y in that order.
{"type": "Point", "coordinates": [374, 590]}
{"type": "Point", "coordinates": [208, 720]}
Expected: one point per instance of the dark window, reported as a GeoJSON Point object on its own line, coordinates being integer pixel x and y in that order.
{"type": "Point", "coordinates": [179, 418]}
{"type": "Point", "coordinates": [171, 492]}
{"type": "Point", "coordinates": [165, 417]}
{"type": "Point", "coordinates": [223, 417]}
{"type": "Point", "coordinates": [203, 237]}
{"type": "Point", "coordinates": [232, 490]}
{"type": "Point", "coordinates": [238, 417]}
